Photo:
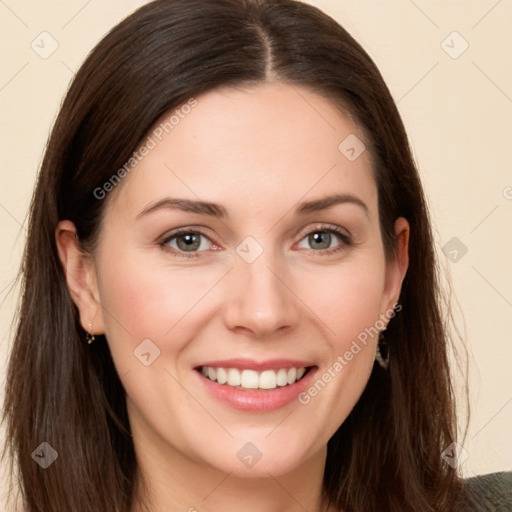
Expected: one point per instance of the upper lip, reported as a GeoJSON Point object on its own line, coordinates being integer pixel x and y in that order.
{"type": "Point", "coordinates": [251, 364]}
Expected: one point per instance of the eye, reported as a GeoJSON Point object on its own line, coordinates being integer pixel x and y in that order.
{"type": "Point", "coordinates": [186, 241]}
{"type": "Point", "coordinates": [321, 240]}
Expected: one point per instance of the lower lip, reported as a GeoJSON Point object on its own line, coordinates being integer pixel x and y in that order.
{"type": "Point", "coordinates": [257, 400]}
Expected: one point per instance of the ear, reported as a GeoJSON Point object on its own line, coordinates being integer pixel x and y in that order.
{"type": "Point", "coordinates": [397, 267]}
{"type": "Point", "coordinates": [81, 277]}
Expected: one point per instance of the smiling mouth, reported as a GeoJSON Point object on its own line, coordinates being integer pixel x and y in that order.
{"type": "Point", "coordinates": [254, 380]}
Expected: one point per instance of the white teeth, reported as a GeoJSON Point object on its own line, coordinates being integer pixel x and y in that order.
{"type": "Point", "coordinates": [251, 379]}
{"type": "Point", "coordinates": [268, 380]}
{"type": "Point", "coordinates": [222, 376]}
{"type": "Point", "coordinates": [282, 377]}
{"type": "Point", "coordinates": [233, 377]}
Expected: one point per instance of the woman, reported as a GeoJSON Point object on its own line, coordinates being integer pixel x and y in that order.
{"type": "Point", "coordinates": [183, 343]}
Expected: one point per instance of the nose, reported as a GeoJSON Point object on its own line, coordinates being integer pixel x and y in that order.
{"type": "Point", "coordinates": [261, 298]}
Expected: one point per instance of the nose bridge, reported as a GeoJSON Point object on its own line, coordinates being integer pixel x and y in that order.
{"type": "Point", "coordinates": [259, 298]}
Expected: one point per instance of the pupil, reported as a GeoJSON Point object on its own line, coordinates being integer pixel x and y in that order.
{"type": "Point", "coordinates": [189, 241]}
{"type": "Point", "coordinates": [319, 238]}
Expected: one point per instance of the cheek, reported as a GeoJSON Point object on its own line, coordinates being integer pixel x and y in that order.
{"type": "Point", "coordinates": [349, 300]}
{"type": "Point", "coordinates": [349, 306]}
{"type": "Point", "coordinates": [142, 299]}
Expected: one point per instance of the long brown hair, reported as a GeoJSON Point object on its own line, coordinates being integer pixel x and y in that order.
{"type": "Point", "coordinates": [386, 455]}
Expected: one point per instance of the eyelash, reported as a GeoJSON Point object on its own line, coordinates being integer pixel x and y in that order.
{"type": "Point", "coordinates": [346, 241]}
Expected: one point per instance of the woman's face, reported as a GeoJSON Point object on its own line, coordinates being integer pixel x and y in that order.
{"type": "Point", "coordinates": [259, 280]}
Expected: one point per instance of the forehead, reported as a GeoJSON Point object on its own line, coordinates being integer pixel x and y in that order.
{"type": "Point", "coordinates": [271, 143]}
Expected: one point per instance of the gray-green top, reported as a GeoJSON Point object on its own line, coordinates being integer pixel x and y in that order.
{"type": "Point", "coordinates": [490, 493]}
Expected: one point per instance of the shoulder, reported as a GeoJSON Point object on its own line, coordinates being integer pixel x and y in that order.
{"type": "Point", "coordinates": [492, 492]}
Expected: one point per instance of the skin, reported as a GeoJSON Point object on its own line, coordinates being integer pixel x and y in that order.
{"type": "Point", "coordinates": [257, 151]}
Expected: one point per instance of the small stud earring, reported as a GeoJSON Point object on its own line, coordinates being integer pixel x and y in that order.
{"type": "Point", "coordinates": [90, 337]}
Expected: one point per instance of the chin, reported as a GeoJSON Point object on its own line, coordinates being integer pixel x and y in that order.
{"type": "Point", "coordinates": [259, 457]}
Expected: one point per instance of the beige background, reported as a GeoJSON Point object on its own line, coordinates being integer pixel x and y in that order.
{"type": "Point", "coordinates": [458, 113]}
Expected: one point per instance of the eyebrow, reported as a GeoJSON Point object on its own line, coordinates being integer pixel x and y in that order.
{"type": "Point", "coordinates": [218, 211]}
{"type": "Point", "coordinates": [326, 202]}
{"type": "Point", "coordinates": [186, 205]}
